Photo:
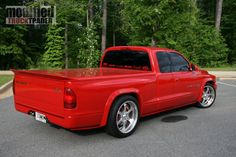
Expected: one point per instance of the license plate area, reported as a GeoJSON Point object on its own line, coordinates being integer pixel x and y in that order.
{"type": "Point", "coordinates": [40, 117]}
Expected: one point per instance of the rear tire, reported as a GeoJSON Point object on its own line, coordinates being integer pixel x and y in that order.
{"type": "Point", "coordinates": [123, 117]}
{"type": "Point", "coordinates": [208, 96]}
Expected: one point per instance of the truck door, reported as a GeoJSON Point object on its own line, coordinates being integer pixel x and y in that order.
{"type": "Point", "coordinates": [165, 82]}
{"type": "Point", "coordinates": [185, 80]}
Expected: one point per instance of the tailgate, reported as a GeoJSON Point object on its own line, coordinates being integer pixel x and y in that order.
{"type": "Point", "coordinates": [42, 93]}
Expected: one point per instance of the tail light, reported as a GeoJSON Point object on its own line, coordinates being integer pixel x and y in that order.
{"type": "Point", "coordinates": [69, 99]}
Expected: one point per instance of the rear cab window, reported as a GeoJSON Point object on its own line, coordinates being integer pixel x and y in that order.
{"type": "Point", "coordinates": [127, 59]}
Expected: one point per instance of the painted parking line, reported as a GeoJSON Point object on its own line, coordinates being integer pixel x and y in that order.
{"type": "Point", "coordinates": [227, 84]}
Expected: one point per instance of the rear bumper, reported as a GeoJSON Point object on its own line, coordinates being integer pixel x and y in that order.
{"type": "Point", "coordinates": [72, 122]}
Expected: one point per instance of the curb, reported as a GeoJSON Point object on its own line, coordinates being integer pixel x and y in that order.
{"type": "Point", "coordinates": [226, 78]}
{"type": "Point", "coordinates": [224, 75]}
{"type": "Point", "coordinates": [6, 86]}
{"type": "Point", "coordinates": [6, 72]}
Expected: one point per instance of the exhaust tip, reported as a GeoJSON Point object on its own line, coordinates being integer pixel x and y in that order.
{"type": "Point", "coordinates": [32, 113]}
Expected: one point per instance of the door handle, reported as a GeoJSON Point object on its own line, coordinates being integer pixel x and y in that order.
{"type": "Point", "coordinates": [176, 79]}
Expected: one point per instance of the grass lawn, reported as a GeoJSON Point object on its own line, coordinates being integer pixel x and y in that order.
{"type": "Point", "coordinates": [5, 78]}
{"type": "Point", "coordinates": [221, 69]}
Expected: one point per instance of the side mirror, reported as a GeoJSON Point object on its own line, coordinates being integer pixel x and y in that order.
{"type": "Point", "coordinates": [192, 67]}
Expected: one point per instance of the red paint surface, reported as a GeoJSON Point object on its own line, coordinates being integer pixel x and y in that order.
{"type": "Point", "coordinates": [95, 90]}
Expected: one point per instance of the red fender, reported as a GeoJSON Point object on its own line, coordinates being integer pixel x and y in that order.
{"type": "Point", "coordinates": [112, 97]}
{"type": "Point", "coordinates": [202, 87]}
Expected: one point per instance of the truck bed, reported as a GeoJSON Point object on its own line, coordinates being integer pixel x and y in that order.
{"type": "Point", "coordinates": [43, 90]}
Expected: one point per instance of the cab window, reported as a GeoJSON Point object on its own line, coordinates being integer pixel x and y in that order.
{"type": "Point", "coordinates": [178, 62]}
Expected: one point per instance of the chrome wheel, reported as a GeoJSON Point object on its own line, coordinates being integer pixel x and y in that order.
{"type": "Point", "coordinates": [208, 96]}
{"type": "Point", "coordinates": [127, 117]}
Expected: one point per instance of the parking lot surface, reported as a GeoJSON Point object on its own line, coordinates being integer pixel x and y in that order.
{"type": "Point", "coordinates": [185, 132]}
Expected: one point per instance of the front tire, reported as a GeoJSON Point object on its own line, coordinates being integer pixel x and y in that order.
{"type": "Point", "coordinates": [208, 96]}
{"type": "Point", "coordinates": [123, 117]}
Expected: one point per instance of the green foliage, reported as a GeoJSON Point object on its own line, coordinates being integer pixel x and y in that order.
{"type": "Point", "coordinates": [53, 57]}
{"type": "Point", "coordinates": [177, 24]}
{"type": "Point", "coordinates": [70, 11]}
{"type": "Point", "coordinates": [143, 19]}
{"type": "Point", "coordinates": [174, 24]}
{"type": "Point", "coordinates": [228, 28]}
{"type": "Point", "coordinates": [228, 25]}
{"type": "Point", "coordinates": [12, 48]}
{"type": "Point", "coordinates": [89, 54]}
{"type": "Point", "coordinates": [200, 43]}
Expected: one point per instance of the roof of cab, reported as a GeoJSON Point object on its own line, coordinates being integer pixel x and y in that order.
{"type": "Point", "coordinates": [153, 49]}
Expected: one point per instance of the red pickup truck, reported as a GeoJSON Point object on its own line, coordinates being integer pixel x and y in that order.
{"type": "Point", "coordinates": [132, 82]}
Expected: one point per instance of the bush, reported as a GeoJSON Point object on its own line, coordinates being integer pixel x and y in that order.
{"type": "Point", "coordinates": [88, 55]}
{"type": "Point", "coordinates": [53, 57]}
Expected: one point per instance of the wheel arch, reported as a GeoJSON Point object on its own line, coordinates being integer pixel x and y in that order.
{"type": "Point", "coordinates": [210, 82]}
{"type": "Point", "coordinates": [204, 82]}
{"type": "Point", "coordinates": [116, 95]}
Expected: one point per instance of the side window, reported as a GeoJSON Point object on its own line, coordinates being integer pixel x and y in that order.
{"type": "Point", "coordinates": [178, 63]}
{"type": "Point", "coordinates": [163, 62]}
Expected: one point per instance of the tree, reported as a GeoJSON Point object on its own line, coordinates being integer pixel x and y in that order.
{"type": "Point", "coordinates": [53, 57]}
{"type": "Point", "coordinates": [76, 17]}
{"type": "Point", "coordinates": [228, 28]}
{"type": "Point", "coordinates": [89, 54]}
{"type": "Point", "coordinates": [174, 24]}
{"type": "Point", "coordinates": [69, 12]}
{"type": "Point", "coordinates": [14, 49]}
{"type": "Point", "coordinates": [66, 45]}
{"type": "Point", "coordinates": [168, 23]}
{"type": "Point", "coordinates": [226, 25]}
{"type": "Point", "coordinates": [218, 13]}
{"type": "Point", "coordinates": [104, 26]}
{"type": "Point", "coordinates": [115, 36]}
{"type": "Point", "coordinates": [89, 12]}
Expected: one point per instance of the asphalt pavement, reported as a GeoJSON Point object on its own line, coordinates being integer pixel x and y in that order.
{"type": "Point", "coordinates": [185, 132]}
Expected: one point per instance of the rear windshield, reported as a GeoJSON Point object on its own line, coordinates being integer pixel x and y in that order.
{"type": "Point", "coordinates": [127, 59]}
